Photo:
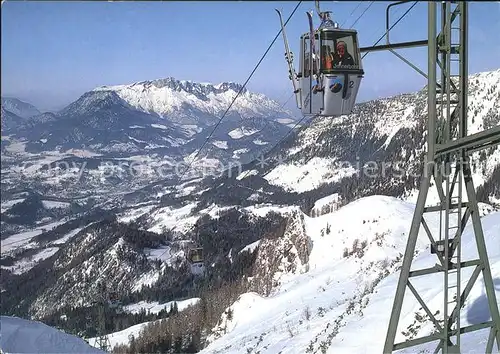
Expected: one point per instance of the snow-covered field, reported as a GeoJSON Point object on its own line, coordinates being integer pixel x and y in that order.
{"type": "Point", "coordinates": [241, 132]}
{"type": "Point", "coordinates": [25, 265]}
{"type": "Point", "coordinates": [121, 337]}
{"type": "Point", "coordinates": [23, 239]}
{"type": "Point", "coordinates": [10, 203]}
{"type": "Point", "coordinates": [220, 144]}
{"type": "Point", "coordinates": [172, 218]}
{"type": "Point", "coordinates": [342, 303]}
{"type": "Point", "coordinates": [299, 177]}
{"type": "Point", "coordinates": [260, 142]}
{"type": "Point", "coordinates": [155, 307]}
{"type": "Point", "coordinates": [18, 335]}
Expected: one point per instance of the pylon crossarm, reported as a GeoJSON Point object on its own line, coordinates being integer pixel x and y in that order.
{"type": "Point", "coordinates": [438, 268]}
{"type": "Point", "coordinates": [418, 273]}
{"type": "Point", "coordinates": [486, 138]}
{"type": "Point", "coordinates": [424, 306]}
{"type": "Point", "coordinates": [434, 208]}
{"type": "Point", "coordinates": [474, 327]}
{"type": "Point", "coordinates": [417, 341]}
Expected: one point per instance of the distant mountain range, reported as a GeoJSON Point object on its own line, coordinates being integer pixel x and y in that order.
{"type": "Point", "coordinates": [304, 224]}
{"type": "Point", "coordinates": [18, 107]}
{"type": "Point", "coordinates": [148, 115]}
{"type": "Point", "coordinates": [189, 102]}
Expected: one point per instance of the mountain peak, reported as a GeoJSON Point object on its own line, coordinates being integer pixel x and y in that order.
{"type": "Point", "coordinates": [174, 84]}
{"type": "Point", "coordinates": [185, 101]}
{"type": "Point", "coordinates": [92, 101]}
{"type": "Point", "coordinates": [225, 86]}
{"type": "Point", "coordinates": [19, 108]}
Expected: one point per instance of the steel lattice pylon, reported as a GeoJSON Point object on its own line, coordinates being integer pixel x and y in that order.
{"type": "Point", "coordinates": [102, 341]}
{"type": "Point", "coordinates": [448, 164]}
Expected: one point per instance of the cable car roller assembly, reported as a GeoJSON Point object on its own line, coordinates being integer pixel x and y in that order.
{"type": "Point", "coordinates": [327, 85]}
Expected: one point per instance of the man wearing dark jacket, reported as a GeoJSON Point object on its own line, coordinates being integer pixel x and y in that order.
{"type": "Point", "coordinates": [342, 56]}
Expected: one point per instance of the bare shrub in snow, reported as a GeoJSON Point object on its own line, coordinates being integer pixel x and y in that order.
{"type": "Point", "coordinates": [358, 249]}
{"type": "Point", "coordinates": [307, 313]}
{"type": "Point", "coordinates": [385, 263]}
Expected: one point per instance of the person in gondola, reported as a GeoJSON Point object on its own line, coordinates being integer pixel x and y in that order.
{"type": "Point", "coordinates": [342, 56]}
{"type": "Point", "coordinates": [326, 58]}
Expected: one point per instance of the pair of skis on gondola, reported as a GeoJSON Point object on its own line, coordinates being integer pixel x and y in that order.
{"type": "Point", "coordinates": [289, 58]}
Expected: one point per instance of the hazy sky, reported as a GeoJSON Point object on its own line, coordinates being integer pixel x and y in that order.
{"type": "Point", "coordinates": [52, 52]}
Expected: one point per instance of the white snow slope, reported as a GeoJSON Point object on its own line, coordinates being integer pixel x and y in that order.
{"type": "Point", "coordinates": [155, 307]}
{"type": "Point", "coordinates": [123, 336]}
{"type": "Point", "coordinates": [388, 116]}
{"type": "Point", "coordinates": [342, 304]}
{"type": "Point", "coordinates": [24, 336]}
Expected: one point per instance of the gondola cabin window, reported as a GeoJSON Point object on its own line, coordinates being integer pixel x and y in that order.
{"type": "Point", "coordinates": [339, 51]}
{"type": "Point", "coordinates": [196, 255]}
{"type": "Point", "coordinates": [307, 57]}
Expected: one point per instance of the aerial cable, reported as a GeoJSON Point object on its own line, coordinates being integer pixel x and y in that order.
{"type": "Point", "coordinates": [238, 94]}
{"type": "Point", "coordinates": [288, 133]}
{"type": "Point", "coordinates": [359, 17]}
{"type": "Point", "coordinates": [288, 99]}
{"type": "Point", "coordinates": [274, 146]}
{"type": "Point", "coordinates": [297, 123]}
{"type": "Point", "coordinates": [390, 28]}
{"type": "Point", "coordinates": [220, 120]}
{"type": "Point", "coordinates": [352, 12]}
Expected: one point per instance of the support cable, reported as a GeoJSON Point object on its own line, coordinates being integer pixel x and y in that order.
{"type": "Point", "coordinates": [352, 12]}
{"type": "Point", "coordinates": [273, 147]}
{"type": "Point", "coordinates": [394, 24]}
{"type": "Point", "coordinates": [359, 17]}
{"type": "Point", "coordinates": [220, 120]}
{"type": "Point", "coordinates": [238, 94]}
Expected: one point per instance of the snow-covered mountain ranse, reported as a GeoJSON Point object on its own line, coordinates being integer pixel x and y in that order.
{"type": "Point", "coordinates": [159, 116]}
{"type": "Point", "coordinates": [301, 249]}
{"type": "Point", "coordinates": [19, 108]}
{"type": "Point", "coordinates": [388, 135]}
{"type": "Point", "coordinates": [188, 102]}
{"type": "Point", "coordinates": [15, 112]}
{"type": "Point", "coordinates": [10, 120]}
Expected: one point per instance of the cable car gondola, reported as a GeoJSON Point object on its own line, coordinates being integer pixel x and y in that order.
{"type": "Point", "coordinates": [328, 80]}
{"type": "Point", "coordinates": [195, 258]}
{"type": "Point", "coordinates": [114, 300]}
